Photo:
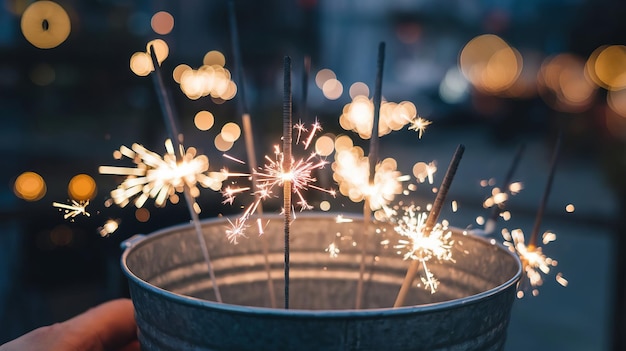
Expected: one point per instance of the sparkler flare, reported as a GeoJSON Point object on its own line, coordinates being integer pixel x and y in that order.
{"type": "Point", "coordinates": [535, 262]}
{"type": "Point", "coordinates": [419, 125]}
{"type": "Point", "coordinates": [351, 172]}
{"type": "Point", "coordinates": [422, 246]}
{"type": "Point", "coordinates": [161, 178]}
{"type": "Point", "coordinates": [73, 210]}
{"type": "Point", "coordinates": [272, 175]}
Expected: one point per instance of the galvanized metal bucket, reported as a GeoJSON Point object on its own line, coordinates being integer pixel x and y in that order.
{"type": "Point", "coordinates": [175, 307]}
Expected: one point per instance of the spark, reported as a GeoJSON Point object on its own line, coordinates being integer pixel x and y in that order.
{"type": "Point", "coordinates": [535, 263]}
{"type": "Point", "coordinates": [333, 250]}
{"type": "Point", "coordinates": [161, 177]}
{"type": "Point", "coordinates": [272, 175]}
{"type": "Point", "coordinates": [73, 210]}
{"type": "Point", "coordinates": [419, 125]}
{"type": "Point", "coordinates": [108, 227]}
{"type": "Point", "coordinates": [421, 245]}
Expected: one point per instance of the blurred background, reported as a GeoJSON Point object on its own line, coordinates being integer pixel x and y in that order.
{"type": "Point", "coordinates": [492, 75]}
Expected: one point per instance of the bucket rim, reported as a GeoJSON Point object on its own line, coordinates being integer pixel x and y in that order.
{"type": "Point", "coordinates": [305, 313]}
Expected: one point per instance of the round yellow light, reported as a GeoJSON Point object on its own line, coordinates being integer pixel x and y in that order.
{"type": "Point", "coordinates": [45, 24]}
{"type": "Point", "coordinates": [141, 64]}
{"type": "Point", "coordinates": [82, 187]}
{"type": "Point", "coordinates": [214, 57]}
{"type": "Point", "coordinates": [204, 120]}
{"type": "Point", "coordinates": [231, 132]}
{"type": "Point", "coordinates": [29, 186]}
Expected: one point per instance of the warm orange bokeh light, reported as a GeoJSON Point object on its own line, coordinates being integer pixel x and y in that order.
{"type": "Point", "coordinates": [82, 187]}
{"type": "Point", "coordinates": [29, 186]}
{"type": "Point", "coordinates": [45, 24]}
{"type": "Point", "coordinates": [607, 66]}
{"type": "Point", "coordinates": [204, 120]}
{"type": "Point", "coordinates": [214, 57]}
{"type": "Point", "coordinates": [161, 49]}
{"type": "Point", "coordinates": [490, 64]}
{"type": "Point", "coordinates": [563, 84]}
{"type": "Point", "coordinates": [141, 64]}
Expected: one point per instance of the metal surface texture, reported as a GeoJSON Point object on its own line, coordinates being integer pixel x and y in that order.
{"type": "Point", "coordinates": [175, 308]}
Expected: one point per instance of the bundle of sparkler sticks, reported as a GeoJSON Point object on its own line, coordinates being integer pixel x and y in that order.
{"type": "Point", "coordinates": [363, 178]}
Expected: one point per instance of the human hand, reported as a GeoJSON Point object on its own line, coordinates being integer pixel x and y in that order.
{"type": "Point", "coordinates": [107, 327]}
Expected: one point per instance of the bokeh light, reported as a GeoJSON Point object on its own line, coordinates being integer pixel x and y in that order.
{"type": "Point", "coordinates": [332, 89]}
{"type": "Point", "coordinates": [213, 80]}
{"type": "Point", "coordinates": [231, 132]}
{"type": "Point", "coordinates": [454, 88]}
{"type": "Point", "coordinates": [323, 75]}
{"type": "Point", "coordinates": [606, 66]}
{"type": "Point", "coordinates": [141, 64]}
{"type": "Point", "coordinates": [324, 145]}
{"type": "Point", "coordinates": [616, 99]}
{"type": "Point", "coordinates": [563, 84]}
{"type": "Point", "coordinates": [161, 49]}
{"type": "Point", "coordinates": [214, 57]}
{"type": "Point", "coordinates": [569, 208]}
{"type": "Point", "coordinates": [162, 22]}
{"type": "Point", "coordinates": [204, 120]}
{"type": "Point", "coordinates": [359, 88]}
{"type": "Point", "coordinates": [221, 144]}
{"type": "Point", "coordinates": [45, 24]}
{"type": "Point", "coordinates": [178, 72]}
{"type": "Point", "coordinates": [142, 214]}
{"type": "Point", "coordinates": [29, 186]}
{"type": "Point", "coordinates": [82, 187]}
{"type": "Point", "coordinates": [358, 116]}
{"type": "Point", "coordinates": [490, 64]}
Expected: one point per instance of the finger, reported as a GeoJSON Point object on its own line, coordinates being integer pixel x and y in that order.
{"type": "Point", "coordinates": [108, 326]}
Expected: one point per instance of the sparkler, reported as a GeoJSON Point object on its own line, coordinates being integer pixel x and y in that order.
{"type": "Point", "coordinates": [372, 160]}
{"type": "Point", "coordinates": [499, 197]}
{"type": "Point", "coordinates": [73, 210]}
{"type": "Point", "coordinates": [178, 170]}
{"type": "Point", "coordinates": [248, 138]}
{"type": "Point", "coordinates": [273, 175]}
{"type": "Point", "coordinates": [430, 223]}
{"type": "Point", "coordinates": [419, 125]}
{"type": "Point", "coordinates": [421, 246]}
{"type": "Point", "coordinates": [286, 167]}
{"type": "Point", "coordinates": [533, 259]}
{"type": "Point", "coordinates": [161, 177]}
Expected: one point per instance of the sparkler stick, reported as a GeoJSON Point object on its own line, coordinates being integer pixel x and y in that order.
{"type": "Point", "coordinates": [491, 222]}
{"type": "Point", "coordinates": [532, 243]}
{"type": "Point", "coordinates": [373, 160]}
{"type": "Point", "coordinates": [248, 138]}
{"type": "Point", "coordinates": [306, 70]}
{"type": "Point", "coordinates": [431, 220]}
{"type": "Point", "coordinates": [287, 130]}
{"type": "Point", "coordinates": [172, 128]}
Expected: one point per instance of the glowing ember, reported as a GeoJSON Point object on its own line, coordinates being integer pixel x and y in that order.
{"type": "Point", "coordinates": [423, 246]}
{"type": "Point", "coordinates": [272, 175]}
{"type": "Point", "coordinates": [535, 262]}
{"type": "Point", "coordinates": [419, 125]}
{"type": "Point", "coordinates": [73, 210]}
{"type": "Point", "coordinates": [109, 227]}
{"type": "Point", "coordinates": [161, 178]}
